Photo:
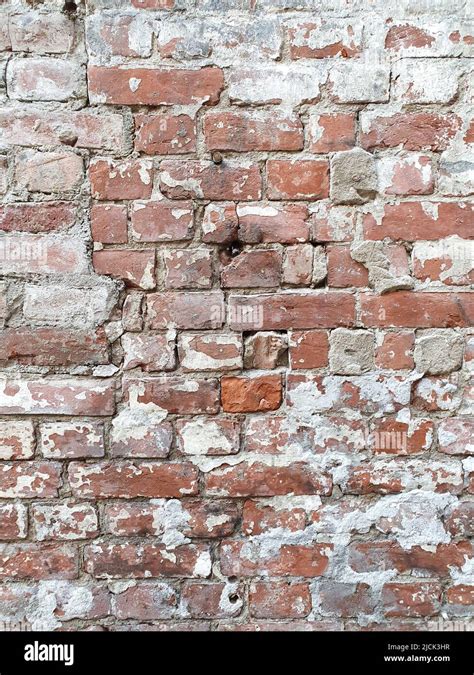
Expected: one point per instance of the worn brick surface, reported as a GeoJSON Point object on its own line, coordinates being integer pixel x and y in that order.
{"type": "Point", "coordinates": [236, 314]}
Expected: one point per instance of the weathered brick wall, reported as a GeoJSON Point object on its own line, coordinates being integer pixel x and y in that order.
{"type": "Point", "coordinates": [235, 313]}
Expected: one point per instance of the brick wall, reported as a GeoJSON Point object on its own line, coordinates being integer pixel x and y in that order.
{"type": "Point", "coordinates": [235, 347]}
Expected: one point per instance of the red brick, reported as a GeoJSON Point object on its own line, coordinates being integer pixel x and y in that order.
{"type": "Point", "coordinates": [343, 270]}
{"type": "Point", "coordinates": [196, 179]}
{"type": "Point", "coordinates": [212, 518]}
{"type": "Point", "coordinates": [297, 269]}
{"type": "Point", "coordinates": [336, 392]}
{"type": "Point", "coordinates": [392, 477]}
{"type": "Point", "coordinates": [149, 351]}
{"type": "Point", "coordinates": [130, 179]}
{"type": "Point", "coordinates": [279, 600]}
{"type": "Point", "coordinates": [51, 33]}
{"type": "Point", "coordinates": [264, 480]}
{"type": "Point", "coordinates": [410, 221]}
{"type": "Point", "coordinates": [280, 311]}
{"type": "Point", "coordinates": [13, 521]}
{"type": "Point", "coordinates": [273, 223]}
{"type": "Point", "coordinates": [57, 397]}
{"type": "Point", "coordinates": [455, 436]}
{"type": "Point", "coordinates": [461, 594]}
{"type": "Point", "coordinates": [241, 558]}
{"type": "Point", "coordinates": [344, 600]}
{"type": "Point", "coordinates": [259, 516]}
{"type": "Point", "coordinates": [146, 560]}
{"type": "Point", "coordinates": [175, 394]}
{"type": "Point", "coordinates": [270, 435]}
{"type": "Point", "coordinates": [32, 126]}
{"type": "Point", "coordinates": [187, 268]}
{"type": "Point", "coordinates": [48, 172]}
{"type": "Point", "coordinates": [253, 269]}
{"type": "Point", "coordinates": [320, 39]}
{"type": "Point", "coordinates": [67, 521]}
{"type": "Point", "coordinates": [460, 519]}
{"type": "Point", "coordinates": [132, 311]}
{"type": "Point", "coordinates": [331, 132]}
{"type": "Point", "coordinates": [130, 480]}
{"type": "Point", "coordinates": [220, 224]}
{"type": "Point", "coordinates": [146, 602]}
{"type": "Point", "coordinates": [42, 254]}
{"type": "Point", "coordinates": [411, 599]}
{"type": "Point", "coordinates": [447, 261]}
{"type": "Point", "coordinates": [198, 311]}
{"type": "Point", "coordinates": [165, 134]}
{"type": "Point", "coordinates": [252, 131]}
{"type": "Point", "coordinates": [417, 38]}
{"type": "Point", "coordinates": [64, 596]}
{"type": "Point", "coordinates": [309, 349]}
{"type": "Point", "coordinates": [413, 131]}
{"type": "Point", "coordinates": [380, 556]}
{"type": "Point", "coordinates": [391, 436]}
{"type": "Point", "coordinates": [147, 439]}
{"type": "Point", "coordinates": [37, 561]}
{"type": "Point", "coordinates": [265, 351]}
{"type": "Point", "coordinates": [404, 36]}
{"type": "Point", "coordinates": [17, 440]}
{"type": "Point", "coordinates": [45, 79]}
{"type": "Point", "coordinates": [52, 347]}
{"type": "Point", "coordinates": [117, 35]}
{"type": "Point", "coordinates": [208, 436]}
{"type": "Point", "coordinates": [412, 309]}
{"type": "Point", "coordinates": [210, 352]}
{"type": "Point", "coordinates": [332, 223]}
{"type": "Point", "coordinates": [396, 351]}
{"type": "Point", "coordinates": [135, 268]}
{"type": "Point", "coordinates": [251, 394]}
{"type": "Point", "coordinates": [71, 440]}
{"type": "Point", "coordinates": [211, 601]}
{"type": "Point", "coordinates": [298, 179]}
{"type": "Point", "coordinates": [152, 86]}
{"type": "Point", "coordinates": [162, 221]}
{"type": "Point", "coordinates": [36, 218]}
{"type": "Point", "coordinates": [109, 223]}
{"type": "Point", "coordinates": [24, 480]}
{"type": "Point", "coordinates": [201, 519]}
{"type": "Point", "coordinates": [410, 174]}
{"type": "Point", "coordinates": [437, 393]}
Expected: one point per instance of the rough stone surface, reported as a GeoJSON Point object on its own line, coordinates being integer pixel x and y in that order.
{"type": "Point", "coordinates": [438, 352]}
{"type": "Point", "coordinates": [351, 352]}
{"type": "Point", "coordinates": [386, 266]}
{"type": "Point", "coordinates": [236, 343]}
{"type": "Point", "coordinates": [353, 177]}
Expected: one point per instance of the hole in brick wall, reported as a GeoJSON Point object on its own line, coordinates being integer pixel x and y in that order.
{"type": "Point", "coordinates": [70, 7]}
{"type": "Point", "coordinates": [234, 598]}
{"type": "Point", "coordinates": [231, 251]}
